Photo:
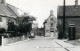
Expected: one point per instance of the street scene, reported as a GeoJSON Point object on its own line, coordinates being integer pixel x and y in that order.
{"type": "Point", "coordinates": [38, 44]}
{"type": "Point", "coordinates": [39, 25]}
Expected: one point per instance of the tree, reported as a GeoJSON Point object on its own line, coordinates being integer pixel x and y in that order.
{"type": "Point", "coordinates": [26, 24]}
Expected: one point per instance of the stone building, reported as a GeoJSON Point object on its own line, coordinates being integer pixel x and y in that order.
{"type": "Point", "coordinates": [41, 31]}
{"type": "Point", "coordinates": [72, 16]}
{"type": "Point", "coordinates": [50, 26]}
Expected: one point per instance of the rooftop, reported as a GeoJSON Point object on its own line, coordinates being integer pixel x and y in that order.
{"type": "Point", "coordinates": [70, 10]}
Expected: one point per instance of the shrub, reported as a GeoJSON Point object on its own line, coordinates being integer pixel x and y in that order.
{"type": "Point", "coordinates": [2, 30]}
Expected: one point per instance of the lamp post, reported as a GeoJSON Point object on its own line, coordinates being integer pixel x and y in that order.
{"type": "Point", "coordinates": [64, 19]}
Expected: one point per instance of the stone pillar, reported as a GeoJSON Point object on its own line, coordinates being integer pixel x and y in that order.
{"type": "Point", "coordinates": [0, 40]}
{"type": "Point", "coordinates": [23, 37]}
{"type": "Point", "coordinates": [3, 41]}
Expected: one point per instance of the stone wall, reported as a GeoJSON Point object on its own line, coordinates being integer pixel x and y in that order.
{"type": "Point", "coordinates": [13, 39]}
{"type": "Point", "coordinates": [68, 21]}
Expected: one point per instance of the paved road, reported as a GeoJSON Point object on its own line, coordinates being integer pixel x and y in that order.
{"type": "Point", "coordinates": [37, 44]}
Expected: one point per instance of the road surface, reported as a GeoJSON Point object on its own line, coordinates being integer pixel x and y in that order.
{"type": "Point", "coordinates": [36, 44]}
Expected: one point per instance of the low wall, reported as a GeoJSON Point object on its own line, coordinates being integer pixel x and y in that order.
{"type": "Point", "coordinates": [13, 39]}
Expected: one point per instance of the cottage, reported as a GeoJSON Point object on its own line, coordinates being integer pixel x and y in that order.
{"type": "Point", "coordinates": [8, 13]}
{"type": "Point", "coordinates": [72, 16]}
{"type": "Point", "coordinates": [50, 26]}
{"type": "Point", "coordinates": [5, 14]}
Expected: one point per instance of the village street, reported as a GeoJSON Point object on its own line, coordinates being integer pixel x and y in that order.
{"type": "Point", "coordinates": [28, 25]}
{"type": "Point", "coordinates": [37, 44]}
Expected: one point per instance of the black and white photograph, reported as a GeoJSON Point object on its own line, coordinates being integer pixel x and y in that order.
{"type": "Point", "coordinates": [39, 25]}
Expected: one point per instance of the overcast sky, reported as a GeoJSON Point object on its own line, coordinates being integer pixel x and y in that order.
{"type": "Point", "coordinates": [39, 8]}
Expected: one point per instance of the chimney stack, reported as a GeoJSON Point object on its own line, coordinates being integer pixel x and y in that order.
{"type": "Point", "coordinates": [76, 2]}
{"type": "Point", "coordinates": [2, 1]}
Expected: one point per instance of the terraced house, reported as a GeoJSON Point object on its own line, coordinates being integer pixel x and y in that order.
{"type": "Point", "coordinates": [72, 17]}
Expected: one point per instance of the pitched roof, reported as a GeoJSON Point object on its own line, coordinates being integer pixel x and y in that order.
{"type": "Point", "coordinates": [4, 10]}
{"type": "Point", "coordinates": [10, 11]}
{"type": "Point", "coordinates": [69, 10]}
{"type": "Point", "coordinates": [16, 10]}
{"type": "Point", "coordinates": [51, 16]}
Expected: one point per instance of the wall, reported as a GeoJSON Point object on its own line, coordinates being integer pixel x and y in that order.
{"type": "Point", "coordinates": [13, 39]}
{"type": "Point", "coordinates": [68, 21]}
{"type": "Point", "coordinates": [49, 28]}
{"type": "Point", "coordinates": [3, 23]}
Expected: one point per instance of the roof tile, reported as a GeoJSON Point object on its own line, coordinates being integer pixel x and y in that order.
{"type": "Point", "coordinates": [5, 11]}
{"type": "Point", "coordinates": [69, 11]}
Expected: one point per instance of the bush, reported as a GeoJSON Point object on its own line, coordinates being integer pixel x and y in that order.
{"type": "Point", "coordinates": [2, 30]}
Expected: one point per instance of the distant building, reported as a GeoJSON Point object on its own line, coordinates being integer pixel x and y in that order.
{"type": "Point", "coordinates": [72, 16]}
{"type": "Point", "coordinates": [35, 28]}
{"type": "Point", "coordinates": [50, 26]}
{"type": "Point", "coordinates": [41, 31]}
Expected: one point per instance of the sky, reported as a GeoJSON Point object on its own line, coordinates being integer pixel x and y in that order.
{"type": "Point", "coordinates": [40, 8]}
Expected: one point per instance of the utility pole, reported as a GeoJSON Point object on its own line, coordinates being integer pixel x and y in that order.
{"type": "Point", "coordinates": [64, 19]}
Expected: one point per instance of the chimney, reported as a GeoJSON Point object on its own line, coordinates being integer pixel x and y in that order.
{"type": "Point", "coordinates": [2, 1]}
{"type": "Point", "coordinates": [76, 2]}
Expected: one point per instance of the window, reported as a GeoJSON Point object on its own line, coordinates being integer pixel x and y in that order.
{"type": "Point", "coordinates": [51, 29]}
{"type": "Point", "coordinates": [51, 19]}
{"type": "Point", "coordinates": [51, 24]}
{"type": "Point", "coordinates": [0, 19]}
{"type": "Point", "coordinates": [47, 30]}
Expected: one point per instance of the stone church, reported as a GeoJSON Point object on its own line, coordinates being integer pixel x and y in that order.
{"type": "Point", "coordinates": [50, 24]}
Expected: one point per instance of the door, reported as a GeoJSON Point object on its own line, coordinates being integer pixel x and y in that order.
{"type": "Point", "coordinates": [52, 34]}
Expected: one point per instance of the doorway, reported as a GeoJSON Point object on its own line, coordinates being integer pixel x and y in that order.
{"type": "Point", "coordinates": [51, 33]}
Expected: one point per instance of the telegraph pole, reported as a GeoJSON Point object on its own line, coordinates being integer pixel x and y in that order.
{"type": "Point", "coordinates": [64, 19]}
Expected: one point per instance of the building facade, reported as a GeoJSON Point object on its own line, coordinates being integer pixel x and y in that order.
{"type": "Point", "coordinates": [72, 16]}
{"type": "Point", "coordinates": [50, 26]}
{"type": "Point", "coordinates": [41, 31]}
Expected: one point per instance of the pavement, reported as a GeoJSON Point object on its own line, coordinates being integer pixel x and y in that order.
{"type": "Point", "coordinates": [40, 44]}
{"type": "Point", "coordinates": [75, 42]}
{"type": "Point", "coordinates": [67, 46]}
